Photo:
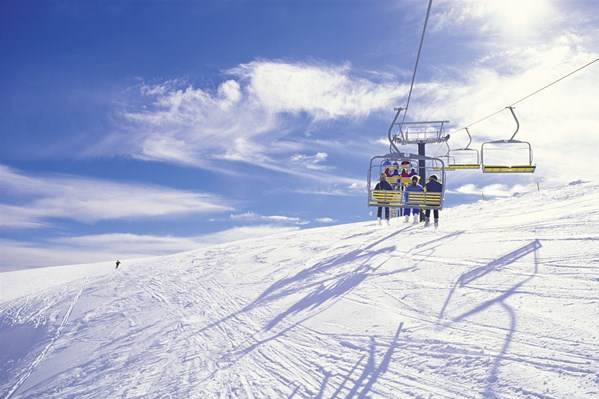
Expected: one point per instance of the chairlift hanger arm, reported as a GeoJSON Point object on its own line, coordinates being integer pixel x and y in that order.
{"type": "Point", "coordinates": [511, 108]}
{"type": "Point", "coordinates": [469, 139]}
{"type": "Point", "coordinates": [391, 143]}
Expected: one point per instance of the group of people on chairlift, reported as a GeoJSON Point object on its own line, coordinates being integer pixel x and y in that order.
{"type": "Point", "coordinates": [398, 179]}
{"type": "Point", "coordinates": [407, 182]}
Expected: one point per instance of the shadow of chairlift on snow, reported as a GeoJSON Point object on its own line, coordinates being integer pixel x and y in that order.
{"type": "Point", "coordinates": [326, 291]}
{"type": "Point", "coordinates": [371, 372]}
{"type": "Point", "coordinates": [479, 272]}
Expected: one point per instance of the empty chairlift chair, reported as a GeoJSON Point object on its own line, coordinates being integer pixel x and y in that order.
{"type": "Point", "coordinates": [463, 158]}
{"type": "Point", "coordinates": [448, 161]}
{"type": "Point", "coordinates": [507, 156]}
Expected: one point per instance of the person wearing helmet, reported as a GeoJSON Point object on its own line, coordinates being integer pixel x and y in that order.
{"type": "Point", "coordinates": [432, 186]}
{"type": "Point", "coordinates": [412, 187]}
{"type": "Point", "coordinates": [383, 184]}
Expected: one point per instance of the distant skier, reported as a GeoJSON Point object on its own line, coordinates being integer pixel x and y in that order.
{"type": "Point", "coordinates": [412, 187]}
{"type": "Point", "coordinates": [383, 184]}
{"type": "Point", "coordinates": [118, 262]}
{"type": "Point", "coordinates": [433, 186]}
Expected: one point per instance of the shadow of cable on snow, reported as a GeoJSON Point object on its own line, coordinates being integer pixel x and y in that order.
{"type": "Point", "coordinates": [438, 241]}
{"type": "Point", "coordinates": [472, 275]}
{"type": "Point", "coordinates": [305, 279]}
{"type": "Point", "coordinates": [423, 251]}
{"type": "Point", "coordinates": [323, 266]}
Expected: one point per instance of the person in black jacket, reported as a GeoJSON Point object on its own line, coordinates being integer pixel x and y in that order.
{"type": "Point", "coordinates": [433, 186]}
{"type": "Point", "coordinates": [383, 184]}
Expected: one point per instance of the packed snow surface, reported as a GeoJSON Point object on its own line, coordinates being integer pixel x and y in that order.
{"type": "Point", "coordinates": [501, 301]}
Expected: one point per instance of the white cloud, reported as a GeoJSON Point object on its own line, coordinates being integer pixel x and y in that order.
{"type": "Point", "coordinates": [254, 217]}
{"type": "Point", "coordinates": [323, 92]}
{"type": "Point", "coordinates": [509, 19]}
{"type": "Point", "coordinates": [560, 123]}
{"type": "Point", "coordinates": [494, 190]}
{"type": "Point", "coordinates": [313, 162]}
{"type": "Point", "coordinates": [355, 188]}
{"type": "Point", "coordinates": [90, 200]}
{"type": "Point", "coordinates": [251, 117]}
{"type": "Point", "coordinates": [325, 220]}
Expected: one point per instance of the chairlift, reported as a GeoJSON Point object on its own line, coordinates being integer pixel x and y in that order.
{"type": "Point", "coordinates": [500, 149]}
{"type": "Point", "coordinates": [401, 199]}
{"type": "Point", "coordinates": [448, 159]}
{"type": "Point", "coordinates": [463, 158]}
{"type": "Point", "coordinates": [421, 132]}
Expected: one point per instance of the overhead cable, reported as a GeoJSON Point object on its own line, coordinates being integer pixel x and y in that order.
{"type": "Point", "coordinates": [531, 94]}
{"type": "Point", "coordinates": [428, 11]}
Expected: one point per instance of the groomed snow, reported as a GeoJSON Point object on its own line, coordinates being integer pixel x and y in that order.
{"type": "Point", "coordinates": [501, 301]}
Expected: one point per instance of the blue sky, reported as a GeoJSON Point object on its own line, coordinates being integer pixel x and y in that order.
{"type": "Point", "coordinates": [141, 128]}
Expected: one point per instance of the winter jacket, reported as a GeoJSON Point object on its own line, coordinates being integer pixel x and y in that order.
{"type": "Point", "coordinates": [412, 188]}
{"type": "Point", "coordinates": [383, 185]}
{"type": "Point", "coordinates": [433, 187]}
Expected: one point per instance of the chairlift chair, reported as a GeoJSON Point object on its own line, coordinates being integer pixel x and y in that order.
{"type": "Point", "coordinates": [401, 199]}
{"type": "Point", "coordinates": [448, 159]}
{"type": "Point", "coordinates": [464, 158]}
{"type": "Point", "coordinates": [507, 147]}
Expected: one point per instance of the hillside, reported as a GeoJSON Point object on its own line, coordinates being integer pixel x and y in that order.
{"type": "Point", "coordinates": [501, 301]}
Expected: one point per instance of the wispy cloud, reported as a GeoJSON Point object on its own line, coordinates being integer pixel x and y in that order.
{"type": "Point", "coordinates": [335, 190]}
{"type": "Point", "coordinates": [253, 117]}
{"type": "Point", "coordinates": [322, 91]}
{"type": "Point", "coordinates": [254, 217]}
{"type": "Point", "coordinates": [313, 162]}
{"type": "Point", "coordinates": [494, 190]}
{"type": "Point", "coordinates": [325, 220]}
{"type": "Point", "coordinates": [35, 200]}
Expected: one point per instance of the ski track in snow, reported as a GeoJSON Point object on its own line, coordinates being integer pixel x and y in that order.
{"type": "Point", "coordinates": [501, 302]}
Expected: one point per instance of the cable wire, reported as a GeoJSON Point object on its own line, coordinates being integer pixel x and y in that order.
{"type": "Point", "coordinates": [428, 11]}
{"type": "Point", "coordinates": [531, 94]}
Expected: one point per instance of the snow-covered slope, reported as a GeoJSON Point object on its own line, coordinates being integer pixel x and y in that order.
{"type": "Point", "coordinates": [502, 301]}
